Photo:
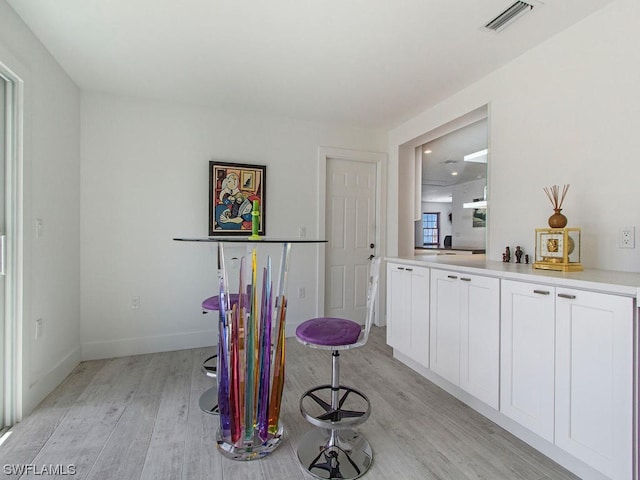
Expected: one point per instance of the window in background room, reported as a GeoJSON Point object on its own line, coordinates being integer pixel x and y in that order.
{"type": "Point", "coordinates": [431, 229]}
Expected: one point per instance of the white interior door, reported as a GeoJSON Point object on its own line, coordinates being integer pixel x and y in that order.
{"type": "Point", "coordinates": [351, 232]}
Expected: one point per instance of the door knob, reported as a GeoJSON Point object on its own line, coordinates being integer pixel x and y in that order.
{"type": "Point", "coordinates": [372, 246]}
{"type": "Point", "coordinates": [371, 257]}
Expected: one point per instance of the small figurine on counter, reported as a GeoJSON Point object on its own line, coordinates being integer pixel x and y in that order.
{"type": "Point", "coordinates": [518, 254]}
{"type": "Point", "coordinates": [526, 259]}
{"type": "Point", "coordinates": [506, 256]}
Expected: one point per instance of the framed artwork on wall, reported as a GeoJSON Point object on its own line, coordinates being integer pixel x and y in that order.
{"type": "Point", "coordinates": [479, 216]}
{"type": "Point", "coordinates": [233, 188]}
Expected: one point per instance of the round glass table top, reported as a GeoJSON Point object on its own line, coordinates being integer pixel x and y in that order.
{"type": "Point", "coordinates": [231, 239]}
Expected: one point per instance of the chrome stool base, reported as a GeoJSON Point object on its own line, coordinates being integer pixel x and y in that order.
{"type": "Point", "coordinates": [335, 454]}
{"type": "Point", "coordinates": [209, 401]}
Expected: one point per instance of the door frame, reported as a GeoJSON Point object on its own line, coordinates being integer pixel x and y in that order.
{"type": "Point", "coordinates": [14, 230]}
{"type": "Point", "coordinates": [380, 160]}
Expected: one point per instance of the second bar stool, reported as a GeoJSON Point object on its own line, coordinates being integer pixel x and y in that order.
{"type": "Point", "coordinates": [335, 450]}
{"type": "Point", "coordinates": [209, 399]}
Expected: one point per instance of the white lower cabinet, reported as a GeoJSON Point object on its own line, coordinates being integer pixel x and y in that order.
{"type": "Point", "coordinates": [527, 355]}
{"type": "Point", "coordinates": [558, 361]}
{"type": "Point", "coordinates": [567, 371]}
{"type": "Point", "coordinates": [465, 332]}
{"type": "Point", "coordinates": [408, 311]}
{"type": "Point", "coordinates": [594, 380]}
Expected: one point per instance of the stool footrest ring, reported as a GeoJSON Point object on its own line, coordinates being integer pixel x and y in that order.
{"type": "Point", "coordinates": [353, 407]}
{"type": "Point", "coordinates": [210, 366]}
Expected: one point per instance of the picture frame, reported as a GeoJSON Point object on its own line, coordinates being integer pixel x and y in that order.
{"type": "Point", "coordinates": [479, 218]}
{"type": "Point", "coordinates": [233, 188]}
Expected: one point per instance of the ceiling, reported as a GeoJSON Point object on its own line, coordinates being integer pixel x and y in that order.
{"type": "Point", "coordinates": [367, 63]}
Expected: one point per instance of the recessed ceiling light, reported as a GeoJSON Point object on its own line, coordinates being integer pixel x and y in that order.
{"type": "Point", "coordinates": [454, 173]}
{"type": "Point", "coordinates": [427, 151]}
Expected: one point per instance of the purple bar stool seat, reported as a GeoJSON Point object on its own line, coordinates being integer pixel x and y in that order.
{"type": "Point", "coordinates": [213, 303]}
{"type": "Point", "coordinates": [335, 450]}
{"type": "Point", "coordinates": [329, 331]}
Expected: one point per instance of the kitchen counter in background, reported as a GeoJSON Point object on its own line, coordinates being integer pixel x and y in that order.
{"type": "Point", "coordinates": [449, 250]}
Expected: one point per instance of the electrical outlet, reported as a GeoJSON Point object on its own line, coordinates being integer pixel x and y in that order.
{"type": "Point", "coordinates": [38, 328]}
{"type": "Point", "coordinates": [39, 227]}
{"type": "Point", "coordinates": [301, 292]}
{"type": "Point", "coordinates": [627, 237]}
{"type": "Point", "coordinates": [135, 303]}
{"type": "Point", "coordinates": [302, 232]}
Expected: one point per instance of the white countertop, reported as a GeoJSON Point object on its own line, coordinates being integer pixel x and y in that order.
{"type": "Point", "coordinates": [609, 281]}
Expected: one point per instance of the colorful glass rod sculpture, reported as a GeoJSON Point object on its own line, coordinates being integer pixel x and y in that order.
{"type": "Point", "coordinates": [251, 356]}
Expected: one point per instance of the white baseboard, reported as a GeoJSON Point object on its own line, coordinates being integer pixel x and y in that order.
{"type": "Point", "coordinates": [290, 329]}
{"type": "Point", "coordinates": [42, 386]}
{"type": "Point", "coordinates": [124, 347]}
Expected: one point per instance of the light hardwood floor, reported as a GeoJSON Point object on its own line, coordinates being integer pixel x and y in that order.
{"type": "Point", "coordinates": [138, 418]}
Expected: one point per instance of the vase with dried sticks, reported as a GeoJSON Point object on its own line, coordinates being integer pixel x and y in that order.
{"type": "Point", "coordinates": [556, 197]}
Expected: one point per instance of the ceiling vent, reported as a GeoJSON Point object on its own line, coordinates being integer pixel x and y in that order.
{"type": "Point", "coordinates": [510, 15]}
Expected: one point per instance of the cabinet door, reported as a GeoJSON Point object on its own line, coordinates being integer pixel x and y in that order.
{"type": "Point", "coordinates": [408, 311]}
{"type": "Point", "coordinates": [594, 379]}
{"type": "Point", "coordinates": [480, 337]}
{"type": "Point", "coordinates": [527, 355]}
{"type": "Point", "coordinates": [419, 314]}
{"type": "Point", "coordinates": [444, 321]}
{"type": "Point", "coordinates": [398, 295]}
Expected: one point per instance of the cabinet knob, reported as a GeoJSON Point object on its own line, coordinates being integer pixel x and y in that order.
{"type": "Point", "coordinates": [409, 269]}
{"type": "Point", "coordinates": [465, 279]}
{"type": "Point", "coordinates": [453, 277]}
{"type": "Point", "coordinates": [400, 268]}
{"type": "Point", "coordinates": [541, 292]}
{"type": "Point", "coordinates": [566, 295]}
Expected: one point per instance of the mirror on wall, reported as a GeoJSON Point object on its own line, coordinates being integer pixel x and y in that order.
{"type": "Point", "coordinates": [454, 190]}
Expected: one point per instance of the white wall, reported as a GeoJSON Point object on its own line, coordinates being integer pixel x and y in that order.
{"type": "Point", "coordinates": [567, 111]}
{"type": "Point", "coordinates": [145, 181]}
{"type": "Point", "coordinates": [51, 192]}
